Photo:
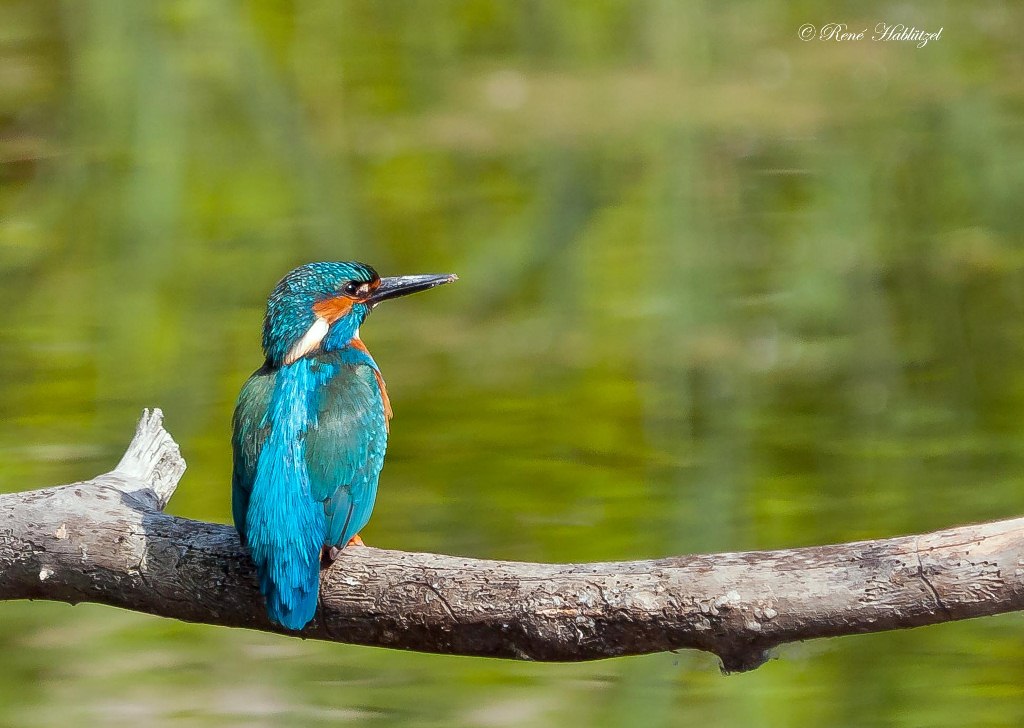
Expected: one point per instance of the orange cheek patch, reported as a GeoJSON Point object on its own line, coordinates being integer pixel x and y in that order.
{"type": "Point", "coordinates": [332, 309]}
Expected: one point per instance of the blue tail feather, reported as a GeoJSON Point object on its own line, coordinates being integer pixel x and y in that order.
{"type": "Point", "coordinates": [285, 534]}
{"type": "Point", "coordinates": [284, 526]}
{"type": "Point", "coordinates": [292, 608]}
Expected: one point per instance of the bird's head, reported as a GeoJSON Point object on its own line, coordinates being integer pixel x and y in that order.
{"type": "Point", "coordinates": [319, 306]}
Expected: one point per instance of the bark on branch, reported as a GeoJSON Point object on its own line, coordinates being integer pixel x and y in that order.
{"type": "Point", "coordinates": [107, 541]}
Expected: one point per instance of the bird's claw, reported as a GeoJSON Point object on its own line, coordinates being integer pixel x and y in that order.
{"type": "Point", "coordinates": [330, 554]}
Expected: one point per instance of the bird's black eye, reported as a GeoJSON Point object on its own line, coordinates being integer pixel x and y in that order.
{"type": "Point", "coordinates": [351, 288]}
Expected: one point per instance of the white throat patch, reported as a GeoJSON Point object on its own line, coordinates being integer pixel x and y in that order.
{"type": "Point", "coordinates": [309, 342]}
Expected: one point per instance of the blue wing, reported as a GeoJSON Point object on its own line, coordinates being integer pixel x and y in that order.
{"type": "Point", "coordinates": [249, 431]}
{"type": "Point", "coordinates": [345, 449]}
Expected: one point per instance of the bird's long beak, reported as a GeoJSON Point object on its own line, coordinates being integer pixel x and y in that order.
{"type": "Point", "coordinates": [403, 285]}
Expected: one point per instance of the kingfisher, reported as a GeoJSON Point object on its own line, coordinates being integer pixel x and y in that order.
{"type": "Point", "coordinates": [310, 430]}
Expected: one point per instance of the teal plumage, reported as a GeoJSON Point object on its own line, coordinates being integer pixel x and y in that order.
{"type": "Point", "coordinates": [311, 429]}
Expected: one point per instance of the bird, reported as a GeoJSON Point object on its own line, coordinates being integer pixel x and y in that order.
{"type": "Point", "coordinates": [310, 430]}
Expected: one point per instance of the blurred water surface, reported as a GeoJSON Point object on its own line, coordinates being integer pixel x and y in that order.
{"type": "Point", "coordinates": [721, 289]}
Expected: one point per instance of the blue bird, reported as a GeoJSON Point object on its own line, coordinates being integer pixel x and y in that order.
{"type": "Point", "coordinates": [310, 430]}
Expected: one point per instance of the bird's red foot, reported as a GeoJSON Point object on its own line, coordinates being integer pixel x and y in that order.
{"type": "Point", "coordinates": [355, 541]}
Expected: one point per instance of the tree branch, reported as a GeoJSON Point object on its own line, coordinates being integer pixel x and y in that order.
{"type": "Point", "coordinates": [107, 541]}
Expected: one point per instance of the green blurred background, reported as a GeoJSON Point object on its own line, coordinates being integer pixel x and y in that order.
{"type": "Point", "coordinates": [721, 289]}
